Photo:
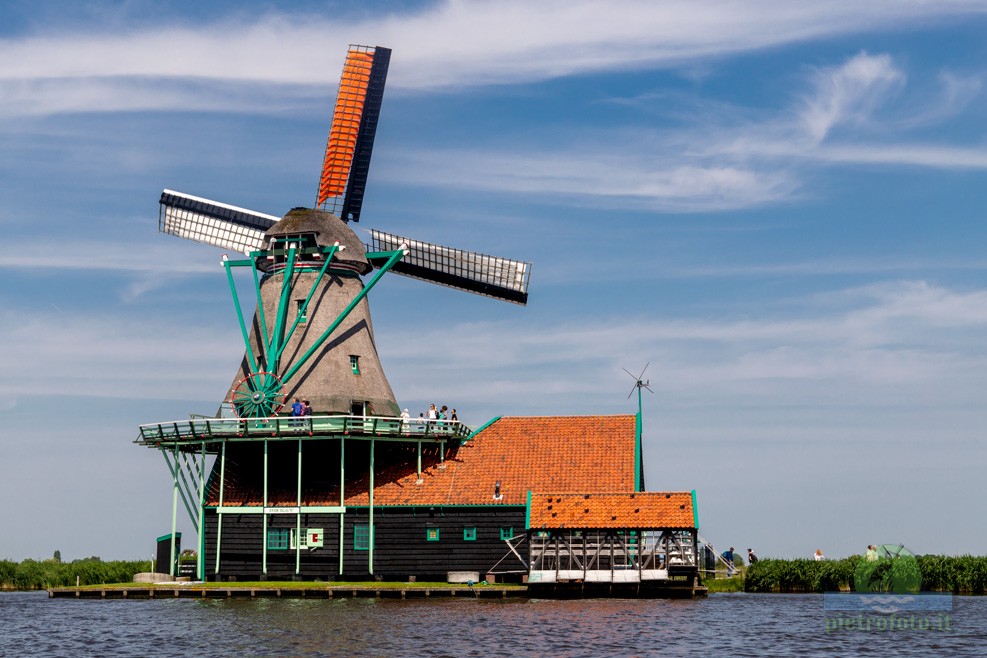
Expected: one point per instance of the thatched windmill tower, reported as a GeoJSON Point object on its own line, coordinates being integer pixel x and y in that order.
{"type": "Point", "coordinates": [343, 374]}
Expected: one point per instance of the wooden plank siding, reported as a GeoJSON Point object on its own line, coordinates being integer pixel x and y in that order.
{"type": "Point", "coordinates": [401, 545]}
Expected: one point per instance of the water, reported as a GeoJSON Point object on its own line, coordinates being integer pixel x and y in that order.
{"type": "Point", "coordinates": [31, 624]}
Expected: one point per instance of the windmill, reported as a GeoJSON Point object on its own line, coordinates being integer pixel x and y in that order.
{"type": "Point", "coordinates": [311, 335]}
{"type": "Point", "coordinates": [638, 385]}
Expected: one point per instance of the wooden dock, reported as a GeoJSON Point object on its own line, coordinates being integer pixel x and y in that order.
{"type": "Point", "coordinates": [196, 591]}
{"type": "Point", "coordinates": [487, 592]}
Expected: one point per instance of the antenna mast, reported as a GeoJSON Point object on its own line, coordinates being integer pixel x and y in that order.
{"type": "Point", "coordinates": [639, 448]}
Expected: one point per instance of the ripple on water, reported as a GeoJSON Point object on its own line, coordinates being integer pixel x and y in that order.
{"type": "Point", "coordinates": [31, 624]}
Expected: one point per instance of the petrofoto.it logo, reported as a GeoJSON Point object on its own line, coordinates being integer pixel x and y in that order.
{"type": "Point", "coordinates": [887, 598]}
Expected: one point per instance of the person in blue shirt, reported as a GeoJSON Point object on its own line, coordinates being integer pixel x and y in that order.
{"type": "Point", "coordinates": [728, 558]}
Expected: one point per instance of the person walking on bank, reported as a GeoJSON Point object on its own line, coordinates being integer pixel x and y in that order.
{"type": "Point", "coordinates": [819, 556]}
{"type": "Point", "coordinates": [751, 558]}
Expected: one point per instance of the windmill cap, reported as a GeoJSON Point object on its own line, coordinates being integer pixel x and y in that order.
{"type": "Point", "coordinates": [328, 230]}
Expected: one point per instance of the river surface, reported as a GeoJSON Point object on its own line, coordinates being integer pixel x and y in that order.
{"type": "Point", "coordinates": [31, 624]}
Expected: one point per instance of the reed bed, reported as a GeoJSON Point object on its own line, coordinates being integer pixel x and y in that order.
{"type": "Point", "coordinates": [964, 574]}
{"type": "Point", "coordinates": [35, 574]}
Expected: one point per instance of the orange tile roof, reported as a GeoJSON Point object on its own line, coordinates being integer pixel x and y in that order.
{"type": "Point", "coordinates": [645, 510]}
{"type": "Point", "coordinates": [556, 453]}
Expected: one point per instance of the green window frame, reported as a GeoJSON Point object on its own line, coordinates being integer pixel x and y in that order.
{"type": "Point", "coordinates": [355, 364]}
{"type": "Point", "coordinates": [277, 539]}
{"type": "Point", "coordinates": [432, 534]}
{"type": "Point", "coordinates": [361, 536]}
{"type": "Point", "coordinates": [301, 310]}
{"type": "Point", "coordinates": [469, 534]}
{"type": "Point", "coordinates": [506, 533]}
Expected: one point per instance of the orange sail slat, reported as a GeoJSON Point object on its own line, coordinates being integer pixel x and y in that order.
{"type": "Point", "coordinates": [345, 124]}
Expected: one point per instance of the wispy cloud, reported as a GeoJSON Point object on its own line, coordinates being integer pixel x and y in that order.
{"type": "Point", "coordinates": [169, 257]}
{"type": "Point", "coordinates": [115, 357]}
{"type": "Point", "coordinates": [912, 340]}
{"type": "Point", "coordinates": [849, 93]}
{"type": "Point", "coordinates": [453, 43]}
{"type": "Point", "coordinates": [629, 175]}
{"type": "Point", "coordinates": [909, 339]}
{"type": "Point", "coordinates": [724, 157]}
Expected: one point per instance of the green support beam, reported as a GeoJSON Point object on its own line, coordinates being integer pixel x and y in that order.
{"type": "Point", "coordinates": [370, 555]}
{"type": "Point", "coordinates": [174, 515]}
{"type": "Point", "coordinates": [342, 500]}
{"type": "Point", "coordinates": [286, 275]}
{"type": "Point", "coordinates": [638, 466]}
{"type": "Point", "coordinates": [298, 523]}
{"type": "Point", "coordinates": [263, 566]}
{"type": "Point", "coordinates": [179, 478]}
{"type": "Point", "coordinates": [395, 257]}
{"type": "Point", "coordinates": [304, 308]}
{"type": "Point", "coordinates": [275, 343]}
{"type": "Point", "coordinates": [252, 360]}
{"type": "Point", "coordinates": [260, 302]}
{"type": "Point", "coordinates": [200, 562]}
{"type": "Point", "coordinates": [219, 517]}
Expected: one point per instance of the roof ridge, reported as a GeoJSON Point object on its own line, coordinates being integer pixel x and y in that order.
{"type": "Point", "coordinates": [572, 416]}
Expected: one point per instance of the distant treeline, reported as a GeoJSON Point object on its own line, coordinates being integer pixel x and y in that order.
{"type": "Point", "coordinates": [34, 574]}
{"type": "Point", "coordinates": [965, 574]}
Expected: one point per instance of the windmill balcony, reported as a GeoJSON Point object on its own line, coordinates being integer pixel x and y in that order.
{"type": "Point", "coordinates": [289, 427]}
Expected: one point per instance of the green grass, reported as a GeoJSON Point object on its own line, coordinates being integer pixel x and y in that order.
{"type": "Point", "coordinates": [731, 584]}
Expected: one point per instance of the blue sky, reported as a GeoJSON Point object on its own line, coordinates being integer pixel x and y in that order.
{"type": "Point", "coordinates": [778, 206]}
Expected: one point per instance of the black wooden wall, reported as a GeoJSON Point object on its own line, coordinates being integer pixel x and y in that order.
{"type": "Point", "coordinates": [401, 544]}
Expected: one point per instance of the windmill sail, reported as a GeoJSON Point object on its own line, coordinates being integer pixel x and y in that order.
{"type": "Point", "coordinates": [490, 276]}
{"type": "Point", "coordinates": [212, 222]}
{"type": "Point", "coordinates": [351, 136]}
{"type": "Point", "coordinates": [341, 190]}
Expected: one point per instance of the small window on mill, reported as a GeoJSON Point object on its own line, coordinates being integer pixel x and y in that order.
{"type": "Point", "coordinates": [355, 364]}
{"type": "Point", "coordinates": [361, 537]}
{"type": "Point", "coordinates": [277, 539]}
{"type": "Point", "coordinates": [300, 305]}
